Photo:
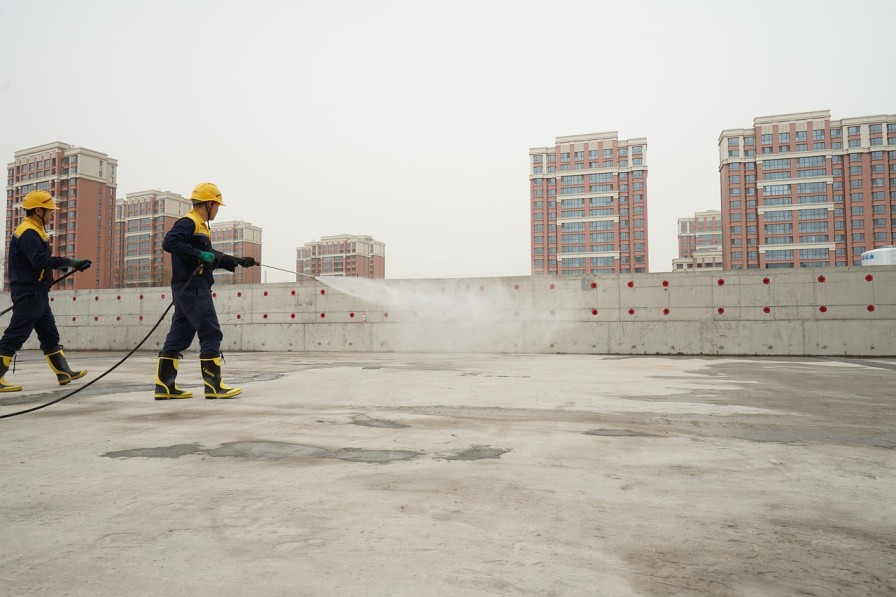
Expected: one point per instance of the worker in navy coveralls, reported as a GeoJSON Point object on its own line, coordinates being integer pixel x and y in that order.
{"type": "Point", "coordinates": [30, 264]}
{"type": "Point", "coordinates": [193, 262]}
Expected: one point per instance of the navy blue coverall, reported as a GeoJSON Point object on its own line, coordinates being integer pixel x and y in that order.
{"type": "Point", "coordinates": [194, 311]}
{"type": "Point", "coordinates": [30, 266]}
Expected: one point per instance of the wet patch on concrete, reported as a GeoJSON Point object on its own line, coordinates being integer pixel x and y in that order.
{"type": "Point", "coordinates": [478, 453]}
{"type": "Point", "coordinates": [376, 456]}
{"type": "Point", "coordinates": [263, 449]}
{"type": "Point", "coordinates": [175, 451]}
{"type": "Point", "coordinates": [366, 421]}
{"type": "Point", "coordinates": [169, 416]}
{"type": "Point", "coordinates": [267, 450]}
{"type": "Point", "coordinates": [618, 433]}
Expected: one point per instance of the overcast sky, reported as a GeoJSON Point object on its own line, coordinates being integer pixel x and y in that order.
{"type": "Point", "coordinates": [410, 121]}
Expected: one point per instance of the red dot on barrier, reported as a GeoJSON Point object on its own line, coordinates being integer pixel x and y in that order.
{"type": "Point", "coordinates": [141, 297]}
{"type": "Point", "coordinates": [665, 311]}
{"type": "Point", "coordinates": [594, 285]}
{"type": "Point", "coordinates": [823, 309]}
{"type": "Point", "coordinates": [293, 293]}
{"type": "Point", "coordinates": [163, 297]}
{"type": "Point", "coordinates": [96, 298]}
{"type": "Point", "coordinates": [869, 278]}
{"type": "Point", "coordinates": [322, 315]}
{"type": "Point", "coordinates": [265, 293]}
{"type": "Point", "coordinates": [594, 311]}
{"type": "Point", "coordinates": [821, 279]}
{"type": "Point", "coordinates": [74, 298]}
{"type": "Point", "coordinates": [720, 282]}
{"type": "Point", "coordinates": [140, 318]}
{"type": "Point", "coordinates": [870, 308]}
{"type": "Point", "coordinates": [74, 319]}
{"type": "Point", "coordinates": [239, 294]}
{"type": "Point", "coordinates": [386, 314]}
{"type": "Point", "coordinates": [95, 318]}
{"type": "Point", "coordinates": [552, 286]}
{"type": "Point", "coordinates": [239, 316]}
{"type": "Point", "coordinates": [119, 297]}
{"type": "Point", "coordinates": [665, 283]}
{"type": "Point", "coordinates": [323, 291]}
{"type": "Point", "coordinates": [265, 316]}
{"type": "Point", "coordinates": [721, 310]}
{"type": "Point", "coordinates": [766, 310]}
{"type": "Point", "coordinates": [553, 312]}
{"type": "Point", "coordinates": [766, 281]}
{"type": "Point", "coordinates": [631, 284]}
{"type": "Point", "coordinates": [631, 311]}
{"type": "Point", "coordinates": [352, 315]}
{"type": "Point", "coordinates": [52, 299]}
{"type": "Point", "coordinates": [516, 286]}
{"type": "Point", "coordinates": [292, 315]}
{"type": "Point", "coordinates": [118, 318]}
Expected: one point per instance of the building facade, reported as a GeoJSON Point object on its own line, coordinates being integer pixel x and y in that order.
{"type": "Point", "coordinates": [240, 239]}
{"type": "Point", "coordinates": [83, 184]}
{"type": "Point", "coordinates": [141, 221]}
{"type": "Point", "coordinates": [699, 242]}
{"type": "Point", "coordinates": [342, 255]}
{"type": "Point", "coordinates": [588, 205]}
{"type": "Point", "coordinates": [802, 190]}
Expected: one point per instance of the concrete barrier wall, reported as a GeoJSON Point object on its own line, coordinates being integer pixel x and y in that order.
{"type": "Point", "coordinates": [824, 311]}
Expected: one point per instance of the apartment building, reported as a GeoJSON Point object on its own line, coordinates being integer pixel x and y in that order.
{"type": "Point", "coordinates": [342, 255]}
{"type": "Point", "coordinates": [240, 239]}
{"type": "Point", "coordinates": [141, 221]}
{"type": "Point", "coordinates": [802, 190]}
{"type": "Point", "coordinates": [83, 184]}
{"type": "Point", "coordinates": [588, 204]}
{"type": "Point", "coordinates": [699, 242]}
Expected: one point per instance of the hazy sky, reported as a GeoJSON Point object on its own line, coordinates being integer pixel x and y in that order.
{"type": "Point", "coordinates": [411, 121]}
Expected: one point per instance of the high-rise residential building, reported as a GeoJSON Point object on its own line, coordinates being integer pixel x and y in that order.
{"type": "Point", "coordinates": [699, 242]}
{"type": "Point", "coordinates": [240, 239]}
{"type": "Point", "coordinates": [141, 221]}
{"type": "Point", "coordinates": [83, 184]}
{"type": "Point", "coordinates": [342, 255]}
{"type": "Point", "coordinates": [802, 190]}
{"type": "Point", "coordinates": [588, 203]}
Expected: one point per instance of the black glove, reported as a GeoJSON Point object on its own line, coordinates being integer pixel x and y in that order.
{"type": "Point", "coordinates": [78, 264]}
{"type": "Point", "coordinates": [246, 261]}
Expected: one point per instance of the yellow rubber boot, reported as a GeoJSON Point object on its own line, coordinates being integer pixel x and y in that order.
{"type": "Point", "coordinates": [56, 359]}
{"type": "Point", "coordinates": [5, 362]}
{"type": "Point", "coordinates": [166, 373]}
{"type": "Point", "coordinates": [211, 374]}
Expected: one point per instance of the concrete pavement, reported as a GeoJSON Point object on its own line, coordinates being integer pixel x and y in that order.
{"type": "Point", "coordinates": [429, 474]}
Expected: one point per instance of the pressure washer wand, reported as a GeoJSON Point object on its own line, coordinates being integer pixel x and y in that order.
{"type": "Point", "coordinates": [280, 269]}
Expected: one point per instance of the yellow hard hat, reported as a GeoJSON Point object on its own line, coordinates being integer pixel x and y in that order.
{"type": "Point", "coordinates": [38, 199]}
{"type": "Point", "coordinates": [207, 191]}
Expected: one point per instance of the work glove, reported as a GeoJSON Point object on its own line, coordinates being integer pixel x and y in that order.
{"type": "Point", "coordinates": [207, 257]}
{"type": "Point", "coordinates": [81, 264]}
{"type": "Point", "coordinates": [246, 261]}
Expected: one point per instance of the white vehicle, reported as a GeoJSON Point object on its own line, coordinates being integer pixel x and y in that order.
{"type": "Point", "coordinates": [882, 256]}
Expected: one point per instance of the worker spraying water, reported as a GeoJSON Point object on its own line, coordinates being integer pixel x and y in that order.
{"type": "Point", "coordinates": [189, 243]}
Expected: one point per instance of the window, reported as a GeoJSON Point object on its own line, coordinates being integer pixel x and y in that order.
{"type": "Point", "coordinates": [779, 255]}
{"type": "Point", "coordinates": [783, 137]}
